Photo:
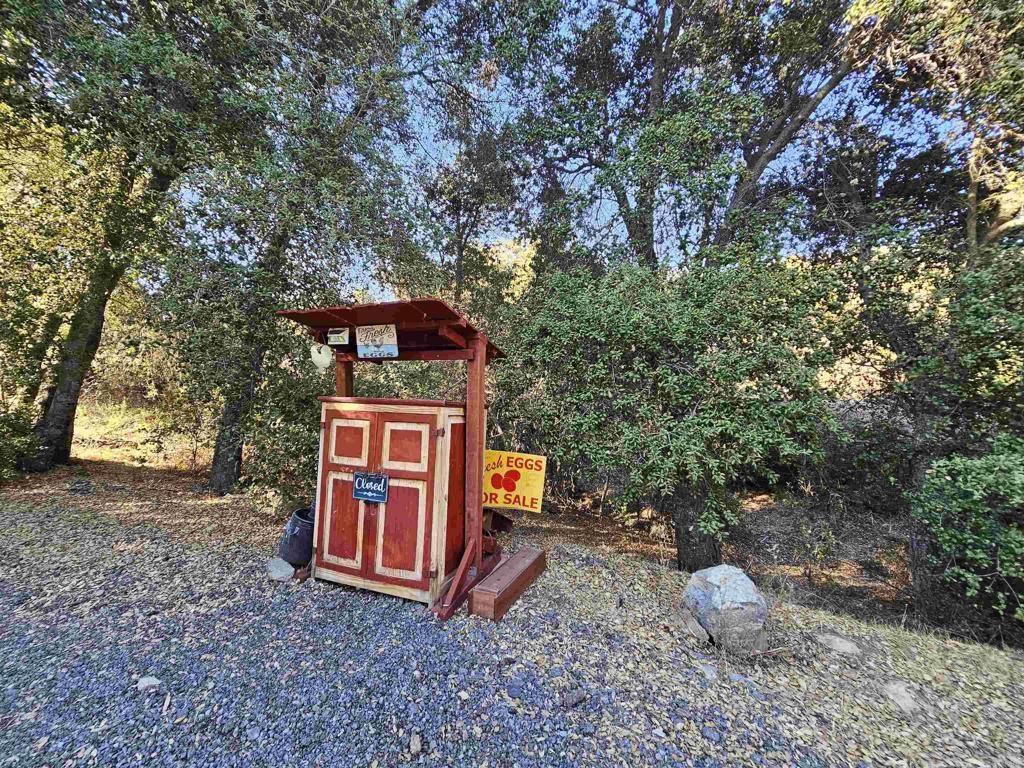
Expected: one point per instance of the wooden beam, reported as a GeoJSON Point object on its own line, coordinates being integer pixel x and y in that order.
{"type": "Point", "coordinates": [343, 376]}
{"type": "Point", "coordinates": [493, 596]}
{"type": "Point", "coordinates": [428, 325]}
{"type": "Point", "coordinates": [412, 354]}
{"type": "Point", "coordinates": [476, 420]}
{"type": "Point", "coordinates": [456, 338]}
{"type": "Point", "coordinates": [459, 589]}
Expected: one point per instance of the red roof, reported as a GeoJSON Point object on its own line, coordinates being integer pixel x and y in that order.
{"type": "Point", "coordinates": [425, 324]}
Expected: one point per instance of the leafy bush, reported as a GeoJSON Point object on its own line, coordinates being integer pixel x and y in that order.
{"type": "Point", "coordinates": [867, 463]}
{"type": "Point", "coordinates": [973, 507]}
{"type": "Point", "coordinates": [16, 439]}
{"type": "Point", "coordinates": [676, 385]}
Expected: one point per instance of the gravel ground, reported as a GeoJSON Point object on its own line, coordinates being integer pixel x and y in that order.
{"type": "Point", "coordinates": [589, 668]}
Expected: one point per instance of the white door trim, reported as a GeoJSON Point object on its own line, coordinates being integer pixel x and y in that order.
{"type": "Point", "coordinates": [357, 561]}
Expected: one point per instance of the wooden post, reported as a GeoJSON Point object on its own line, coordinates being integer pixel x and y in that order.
{"type": "Point", "coordinates": [343, 385]}
{"type": "Point", "coordinates": [475, 424]}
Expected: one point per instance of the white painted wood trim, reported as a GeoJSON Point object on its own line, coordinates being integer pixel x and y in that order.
{"type": "Point", "coordinates": [407, 426]}
{"type": "Point", "coordinates": [353, 461]}
{"type": "Point", "coordinates": [421, 526]}
{"type": "Point", "coordinates": [319, 475]}
{"type": "Point", "coordinates": [409, 593]}
{"type": "Point", "coordinates": [383, 408]}
{"type": "Point", "coordinates": [440, 510]}
{"type": "Point", "coordinates": [357, 561]}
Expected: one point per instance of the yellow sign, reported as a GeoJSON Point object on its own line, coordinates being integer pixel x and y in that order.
{"type": "Point", "coordinates": [514, 480]}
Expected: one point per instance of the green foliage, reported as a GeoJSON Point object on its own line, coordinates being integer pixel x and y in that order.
{"type": "Point", "coordinates": [973, 507]}
{"type": "Point", "coordinates": [16, 438]}
{"type": "Point", "coordinates": [815, 546]}
{"type": "Point", "coordinates": [693, 380]}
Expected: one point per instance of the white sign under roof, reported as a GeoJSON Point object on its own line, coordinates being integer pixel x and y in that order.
{"type": "Point", "coordinates": [376, 341]}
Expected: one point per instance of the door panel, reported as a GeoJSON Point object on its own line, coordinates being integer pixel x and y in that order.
{"type": "Point", "coordinates": [401, 530]}
{"type": "Point", "coordinates": [405, 446]}
{"type": "Point", "coordinates": [350, 441]}
{"type": "Point", "coordinates": [343, 531]}
{"type": "Point", "coordinates": [342, 521]}
{"type": "Point", "coordinates": [404, 450]}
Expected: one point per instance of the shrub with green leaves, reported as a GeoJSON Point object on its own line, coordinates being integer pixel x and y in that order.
{"type": "Point", "coordinates": [16, 437]}
{"type": "Point", "coordinates": [678, 385]}
{"type": "Point", "coordinates": [973, 507]}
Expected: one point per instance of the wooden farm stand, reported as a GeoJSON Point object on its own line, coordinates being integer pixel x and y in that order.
{"type": "Point", "coordinates": [427, 542]}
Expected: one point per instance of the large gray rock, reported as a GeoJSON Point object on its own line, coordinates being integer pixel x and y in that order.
{"type": "Point", "coordinates": [729, 607]}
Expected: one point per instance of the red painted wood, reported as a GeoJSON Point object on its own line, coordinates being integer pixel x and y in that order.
{"type": "Point", "coordinates": [449, 332]}
{"type": "Point", "coordinates": [343, 519]}
{"type": "Point", "coordinates": [425, 314]}
{"type": "Point", "coordinates": [449, 604]}
{"type": "Point", "coordinates": [455, 530]}
{"type": "Point", "coordinates": [464, 581]}
{"type": "Point", "coordinates": [400, 528]}
{"type": "Point", "coordinates": [343, 377]}
{"type": "Point", "coordinates": [475, 421]}
{"type": "Point", "coordinates": [343, 522]}
{"type": "Point", "coordinates": [494, 595]}
{"type": "Point", "coordinates": [401, 513]}
{"type": "Point", "coordinates": [420, 355]}
{"type": "Point", "coordinates": [392, 401]}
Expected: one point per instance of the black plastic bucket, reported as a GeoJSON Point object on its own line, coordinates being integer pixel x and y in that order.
{"type": "Point", "coordinates": [296, 545]}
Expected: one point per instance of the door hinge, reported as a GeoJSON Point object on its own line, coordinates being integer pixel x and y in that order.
{"type": "Point", "coordinates": [439, 432]}
{"type": "Point", "coordinates": [433, 573]}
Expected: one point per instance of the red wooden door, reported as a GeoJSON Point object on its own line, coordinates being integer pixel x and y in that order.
{"type": "Point", "coordinates": [398, 550]}
{"type": "Point", "coordinates": [387, 542]}
{"type": "Point", "coordinates": [347, 443]}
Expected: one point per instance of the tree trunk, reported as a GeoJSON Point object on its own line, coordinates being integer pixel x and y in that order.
{"type": "Point", "coordinates": [56, 428]}
{"type": "Point", "coordinates": [226, 467]}
{"type": "Point", "coordinates": [694, 548]}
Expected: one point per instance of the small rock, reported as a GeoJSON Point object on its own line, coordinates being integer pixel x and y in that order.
{"type": "Point", "coordinates": [279, 570]}
{"type": "Point", "coordinates": [463, 695]}
{"type": "Point", "coordinates": [710, 672]}
{"type": "Point", "coordinates": [415, 744]}
{"type": "Point", "coordinates": [838, 644]}
{"type": "Point", "coordinates": [574, 698]}
{"type": "Point", "coordinates": [902, 696]}
{"type": "Point", "coordinates": [711, 734]}
{"type": "Point", "coordinates": [81, 486]}
{"type": "Point", "coordinates": [555, 672]}
{"type": "Point", "coordinates": [692, 627]}
{"type": "Point", "coordinates": [515, 691]}
{"type": "Point", "coordinates": [658, 733]}
{"type": "Point", "coordinates": [148, 683]}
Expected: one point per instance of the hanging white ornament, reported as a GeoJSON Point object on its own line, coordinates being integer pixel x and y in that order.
{"type": "Point", "coordinates": [322, 356]}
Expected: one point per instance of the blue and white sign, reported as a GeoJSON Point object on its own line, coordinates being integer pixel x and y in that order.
{"type": "Point", "coordinates": [370, 486]}
{"type": "Point", "coordinates": [376, 341]}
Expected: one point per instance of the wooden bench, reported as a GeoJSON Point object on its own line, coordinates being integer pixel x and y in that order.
{"type": "Point", "coordinates": [493, 596]}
